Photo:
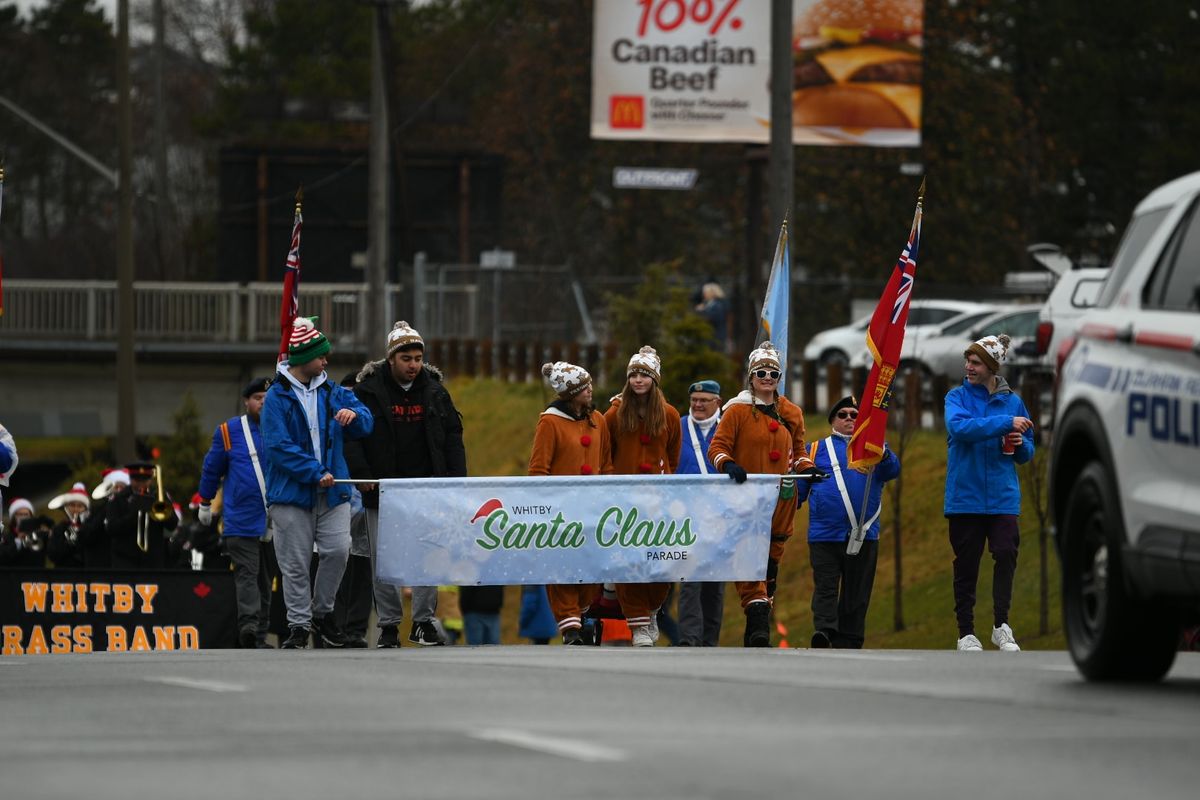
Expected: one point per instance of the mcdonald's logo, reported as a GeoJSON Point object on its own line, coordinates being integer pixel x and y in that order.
{"type": "Point", "coordinates": [626, 111]}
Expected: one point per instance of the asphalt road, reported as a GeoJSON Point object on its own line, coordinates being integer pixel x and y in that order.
{"type": "Point", "coordinates": [534, 722]}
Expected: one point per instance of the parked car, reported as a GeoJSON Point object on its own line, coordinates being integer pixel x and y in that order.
{"type": "Point", "coordinates": [1075, 292]}
{"type": "Point", "coordinates": [1125, 461]}
{"type": "Point", "coordinates": [943, 354]}
{"type": "Point", "coordinates": [839, 344]}
{"type": "Point", "coordinates": [913, 345]}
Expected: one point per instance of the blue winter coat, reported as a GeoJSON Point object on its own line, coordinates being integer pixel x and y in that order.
{"type": "Point", "coordinates": [979, 478]}
{"type": "Point", "coordinates": [827, 517]}
{"type": "Point", "coordinates": [536, 620]}
{"type": "Point", "coordinates": [242, 503]}
{"type": "Point", "coordinates": [687, 454]}
{"type": "Point", "coordinates": [292, 468]}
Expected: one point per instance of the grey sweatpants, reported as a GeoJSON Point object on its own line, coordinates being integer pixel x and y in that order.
{"type": "Point", "coordinates": [387, 596]}
{"type": "Point", "coordinates": [296, 531]}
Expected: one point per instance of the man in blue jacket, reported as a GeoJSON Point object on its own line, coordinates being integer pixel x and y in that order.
{"type": "Point", "coordinates": [303, 421]}
{"type": "Point", "coordinates": [988, 434]}
{"type": "Point", "coordinates": [236, 458]}
{"type": "Point", "coordinates": [842, 582]}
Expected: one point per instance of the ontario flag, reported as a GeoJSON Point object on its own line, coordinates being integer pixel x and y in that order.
{"type": "Point", "coordinates": [885, 337]}
{"type": "Point", "coordinates": [773, 320]}
{"type": "Point", "coordinates": [289, 306]}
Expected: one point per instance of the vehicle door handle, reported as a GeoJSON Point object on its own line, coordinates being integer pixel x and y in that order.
{"type": "Point", "coordinates": [1124, 335]}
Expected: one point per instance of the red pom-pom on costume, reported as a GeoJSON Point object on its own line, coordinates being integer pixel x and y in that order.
{"type": "Point", "coordinates": [774, 426]}
{"type": "Point", "coordinates": [585, 440]}
{"type": "Point", "coordinates": [644, 438]}
{"type": "Point", "coordinates": [586, 469]}
{"type": "Point", "coordinates": [774, 455]}
{"type": "Point", "coordinates": [644, 467]}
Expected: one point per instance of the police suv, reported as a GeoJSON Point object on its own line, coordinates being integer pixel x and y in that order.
{"type": "Point", "coordinates": [1125, 463]}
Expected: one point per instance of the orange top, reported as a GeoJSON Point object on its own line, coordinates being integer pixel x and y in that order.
{"type": "Point", "coordinates": [759, 443]}
{"type": "Point", "coordinates": [566, 446]}
{"type": "Point", "coordinates": [643, 454]}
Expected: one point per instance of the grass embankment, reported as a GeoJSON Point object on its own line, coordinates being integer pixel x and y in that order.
{"type": "Point", "coordinates": [499, 420]}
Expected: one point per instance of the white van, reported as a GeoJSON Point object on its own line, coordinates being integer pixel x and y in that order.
{"type": "Point", "coordinates": [1125, 457]}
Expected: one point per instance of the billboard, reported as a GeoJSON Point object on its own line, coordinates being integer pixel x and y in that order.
{"type": "Point", "coordinates": [699, 70]}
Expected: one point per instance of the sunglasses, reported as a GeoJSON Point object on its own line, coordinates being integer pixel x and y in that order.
{"type": "Point", "coordinates": [766, 373]}
{"type": "Point", "coordinates": [847, 415]}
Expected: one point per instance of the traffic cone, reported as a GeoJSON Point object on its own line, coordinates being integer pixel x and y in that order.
{"type": "Point", "coordinates": [781, 629]}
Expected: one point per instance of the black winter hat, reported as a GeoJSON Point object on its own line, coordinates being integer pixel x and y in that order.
{"type": "Point", "coordinates": [849, 401]}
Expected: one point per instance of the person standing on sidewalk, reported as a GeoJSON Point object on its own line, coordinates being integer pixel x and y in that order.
{"type": "Point", "coordinates": [701, 604]}
{"type": "Point", "coordinates": [988, 434]}
{"type": "Point", "coordinates": [418, 434]}
{"type": "Point", "coordinates": [645, 433]}
{"type": "Point", "coordinates": [304, 420]}
{"type": "Point", "coordinates": [571, 439]}
{"type": "Point", "coordinates": [761, 431]}
{"type": "Point", "coordinates": [235, 460]}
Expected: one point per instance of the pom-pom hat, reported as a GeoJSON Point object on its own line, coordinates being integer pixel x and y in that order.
{"type": "Point", "coordinates": [78, 494]}
{"type": "Point", "coordinates": [402, 335]}
{"type": "Point", "coordinates": [567, 380]}
{"type": "Point", "coordinates": [17, 504]}
{"type": "Point", "coordinates": [645, 362]}
{"type": "Point", "coordinates": [765, 356]}
{"type": "Point", "coordinates": [306, 342]}
{"type": "Point", "coordinates": [992, 350]}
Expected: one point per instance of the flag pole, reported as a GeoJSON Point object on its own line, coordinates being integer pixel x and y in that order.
{"type": "Point", "coordinates": [859, 533]}
{"type": "Point", "coordinates": [289, 305]}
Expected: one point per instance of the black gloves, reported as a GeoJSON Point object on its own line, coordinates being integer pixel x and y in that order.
{"type": "Point", "coordinates": [812, 475]}
{"type": "Point", "coordinates": [734, 471]}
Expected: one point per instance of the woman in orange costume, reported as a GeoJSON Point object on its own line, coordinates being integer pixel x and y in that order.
{"type": "Point", "coordinates": [571, 439]}
{"type": "Point", "coordinates": [646, 436]}
{"type": "Point", "coordinates": [762, 431]}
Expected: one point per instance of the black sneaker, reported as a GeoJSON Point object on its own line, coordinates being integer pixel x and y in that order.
{"type": "Point", "coordinates": [425, 634]}
{"type": "Point", "coordinates": [331, 635]}
{"type": "Point", "coordinates": [355, 642]}
{"type": "Point", "coordinates": [264, 645]}
{"type": "Point", "coordinates": [758, 628]}
{"type": "Point", "coordinates": [389, 637]}
{"type": "Point", "coordinates": [573, 636]}
{"type": "Point", "coordinates": [820, 640]}
{"type": "Point", "coordinates": [248, 638]}
{"type": "Point", "coordinates": [298, 640]}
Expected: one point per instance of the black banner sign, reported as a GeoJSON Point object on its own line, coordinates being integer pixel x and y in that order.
{"type": "Point", "coordinates": [73, 611]}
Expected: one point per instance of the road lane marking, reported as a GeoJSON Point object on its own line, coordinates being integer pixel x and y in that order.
{"type": "Point", "coordinates": [207, 686]}
{"type": "Point", "coordinates": [822, 653]}
{"type": "Point", "coordinates": [567, 748]}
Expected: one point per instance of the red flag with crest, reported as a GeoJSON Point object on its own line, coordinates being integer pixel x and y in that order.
{"type": "Point", "coordinates": [885, 337]}
{"type": "Point", "coordinates": [289, 306]}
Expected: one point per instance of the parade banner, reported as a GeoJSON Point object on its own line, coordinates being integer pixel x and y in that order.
{"type": "Point", "coordinates": [77, 611]}
{"type": "Point", "coordinates": [699, 70]}
{"type": "Point", "coordinates": [568, 529]}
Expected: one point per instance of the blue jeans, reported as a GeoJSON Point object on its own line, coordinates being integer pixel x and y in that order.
{"type": "Point", "coordinates": [481, 628]}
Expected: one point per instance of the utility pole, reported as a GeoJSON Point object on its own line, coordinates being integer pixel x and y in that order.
{"type": "Point", "coordinates": [126, 446]}
{"type": "Point", "coordinates": [378, 183]}
{"type": "Point", "coordinates": [166, 264]}
{"type": "Point", "coordinates": [782, 166]}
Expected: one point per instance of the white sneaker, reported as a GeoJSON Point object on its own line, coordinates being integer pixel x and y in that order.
{"type": "Point", "coordinates": [642, 636]}
{"type": "Point", "coordinates": [1002, 637]}
{"type": "Point", "coordinates": [653, 626]}
{"type": "Point", "coordinates": [969, 644]}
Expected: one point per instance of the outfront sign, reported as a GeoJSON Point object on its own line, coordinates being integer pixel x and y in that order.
{"type": "Point", "coordinates": [562, 530]}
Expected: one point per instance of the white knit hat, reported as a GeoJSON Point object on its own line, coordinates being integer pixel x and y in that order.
{"type": "Point", "coordinates": [764, 356]}
{"type": "Point", "coordinates": [78, 494]}
{"type": "Point", "coordinates": [646, 362]}
{"type": "Point", "coordinates": [17, 504]}
{"type": "Point", "coordinates": [402, 335]}
{"type": "Point", "coordinates": [992, 350]}
{"type": "Point", "coordinates": [567, 380]}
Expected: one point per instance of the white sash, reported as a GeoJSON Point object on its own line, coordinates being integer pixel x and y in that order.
{"type": "Point", "coordinates": [841, 484]}
{"type": "Point", "coordinates": [701, 459]}
{"type": "Point", "coordinates": [258, 473]}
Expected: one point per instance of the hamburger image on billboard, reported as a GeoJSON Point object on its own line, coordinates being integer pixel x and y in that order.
{"type": "Point", "coordinates": [858, 67]}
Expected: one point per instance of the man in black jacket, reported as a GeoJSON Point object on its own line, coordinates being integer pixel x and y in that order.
{"type": "Point", "coordinates": [418, 434]}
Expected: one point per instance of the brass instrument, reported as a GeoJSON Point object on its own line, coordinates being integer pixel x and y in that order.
{"type": "Point", "coordinates": [160, 511]}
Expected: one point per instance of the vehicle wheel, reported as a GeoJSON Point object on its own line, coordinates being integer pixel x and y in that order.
{"type": "Point", "coordinates": [1112, 635]}
{"type": "Point", "coordinates": [835, 356]}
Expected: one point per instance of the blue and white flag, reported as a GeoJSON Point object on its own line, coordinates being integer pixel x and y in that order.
{"type": "Point", "coordinates": [569, 529]}
{"type": "Point", "coordinates": [773, 321]}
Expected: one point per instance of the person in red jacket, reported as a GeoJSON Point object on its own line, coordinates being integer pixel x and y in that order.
{"type": "Point", "coordinates": [571, 439]}
{"type": "Point", "coordinates": [762, 431]}
{"type": "Point", "coordinates": [645, 433]}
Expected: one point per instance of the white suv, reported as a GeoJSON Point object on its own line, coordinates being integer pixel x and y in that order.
{"type": "Point", "coordinates": [841, 343]}
{"type": "Point", "coordinates": [1125, 463]}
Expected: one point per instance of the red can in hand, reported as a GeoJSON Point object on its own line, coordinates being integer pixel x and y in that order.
{"type": "Point", "coordinates": [1008, 444]}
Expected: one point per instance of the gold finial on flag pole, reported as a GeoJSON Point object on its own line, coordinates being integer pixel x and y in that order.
{"type": "Point", "coordinates": [300, 198]}
{"type": "Point", "coordinates": [921, 192]}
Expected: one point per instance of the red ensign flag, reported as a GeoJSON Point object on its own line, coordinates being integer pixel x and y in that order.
{"type": "Point", "coordinates": [289, 307]}
{"type": "Point", "coordinates": [884, 339]}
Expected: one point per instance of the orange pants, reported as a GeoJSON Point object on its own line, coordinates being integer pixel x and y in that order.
{"type": "Point", "coordinates": [640, 600]}
{"type": "Point", "coordinates": [567, 602]}
{"type": "Point", "coordinates": [781, 531]}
